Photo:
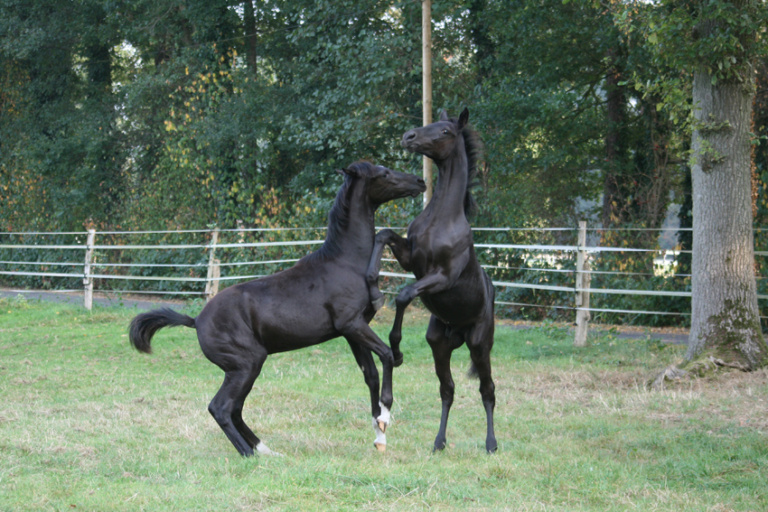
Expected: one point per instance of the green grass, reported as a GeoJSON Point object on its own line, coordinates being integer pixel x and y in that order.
{"type": "Point", "coordinates": [87, 423]}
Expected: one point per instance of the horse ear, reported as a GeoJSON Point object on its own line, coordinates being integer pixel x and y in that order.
{"type": "Point", "coordinates": [349, 171]}
{"type": "Point", "coordinates": [443, 115]}
{"type": "Point", "coordinates": [463, 118]}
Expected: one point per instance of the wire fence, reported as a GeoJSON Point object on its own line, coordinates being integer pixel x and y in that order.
{"type": "Point", "coordinates": [538, 272]}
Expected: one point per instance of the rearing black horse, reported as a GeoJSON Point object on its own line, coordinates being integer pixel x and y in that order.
{"type": "Point", "coordinates": [440, 252]}
{"type": "Point", "coordinates": [324, 296]}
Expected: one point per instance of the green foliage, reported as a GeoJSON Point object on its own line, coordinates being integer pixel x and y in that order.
{"type": "Point", "coordinates": [719, 37]}
{"type": "Point", "coordinates": [164, 114]}
{"type": "Point", "coordinates": [136, 133]}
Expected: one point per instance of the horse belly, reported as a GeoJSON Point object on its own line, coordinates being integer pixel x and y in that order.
{"type": "Point", "coordinates": [463, 304]}
{"type": "Point", "coordinates": [454, 307]}
{"type": "Point", "coordinates": [290, 325]}
{"type": "Point", "coordinates": [280, 314]}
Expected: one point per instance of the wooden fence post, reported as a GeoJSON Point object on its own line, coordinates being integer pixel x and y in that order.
{"type": "Point", "coordinates": [214, 272]}
{"type": "Point", "coordinates": [583, 279]}
{"type": "Point", "coordinates": [87, 279]}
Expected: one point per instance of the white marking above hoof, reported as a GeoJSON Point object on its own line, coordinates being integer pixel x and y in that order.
{"type": "Point", "coordinates": [384, 417]}
{"type": "Point", "coordinates": [381, 439]}
{"type": "Point", "coordinates": [262, 449]}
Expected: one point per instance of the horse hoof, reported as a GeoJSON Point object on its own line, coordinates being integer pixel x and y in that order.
{"type": "Point", "coordinates": [381, 447]}
{"type": "Point", "coordinates": [398, 360]}
{"type": "Point", "coordinates": [382, 426]}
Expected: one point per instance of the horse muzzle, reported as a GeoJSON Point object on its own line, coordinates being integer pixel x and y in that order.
{"type": "Point", "coordinates": [422, 188]}
{"type": "Point", "coordinates": [408, 139]}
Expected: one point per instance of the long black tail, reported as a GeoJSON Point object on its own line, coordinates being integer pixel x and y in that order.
{"type": "Point", "coordinates": [144, 326]}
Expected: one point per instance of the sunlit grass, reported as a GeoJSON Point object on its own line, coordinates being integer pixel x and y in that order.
{"type": "Point", "coordinates": [88, 423]}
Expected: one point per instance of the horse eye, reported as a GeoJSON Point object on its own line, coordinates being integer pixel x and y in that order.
{"type": "Point", "coordinates": [445, 131]}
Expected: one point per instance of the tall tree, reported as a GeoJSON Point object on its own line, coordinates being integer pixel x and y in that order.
{"type": "Point", "coordinates": [719, 42]}
{"type": "Point", "coordinates": [565, 127]}
{"type": "Point", "coordinates": [62, 135]}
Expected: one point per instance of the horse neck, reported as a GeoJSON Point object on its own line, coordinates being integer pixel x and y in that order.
{"type": "Point", "coordinates": [448, 197]}
{"type": "Point", "coordinates": [351, 228]}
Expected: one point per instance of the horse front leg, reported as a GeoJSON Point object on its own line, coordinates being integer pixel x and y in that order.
{"type": "Point", "coordinates": [363, 341]}
{"type": "Point", "coordinates": [430, 283]}
{"type": "Point", "coordinates": [365, 361]}
{"type": "Point", "coordinates": [400, 249]}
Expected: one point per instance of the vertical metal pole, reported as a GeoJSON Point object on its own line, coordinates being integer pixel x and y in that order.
{"type": "Point", "coordinates": [426, 58]}
{"type": "Point", "coordinates": [87, 279]}
{"type": "Point", "coordinates": [582, 288]}
{"type": "Point", "coordinates": [212, 279]}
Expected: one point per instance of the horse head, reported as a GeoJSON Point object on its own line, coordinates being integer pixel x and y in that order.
{"type": "Point", "coordinates": [383, 184]}
{"type": "Point", "coordinates": [437, 140]}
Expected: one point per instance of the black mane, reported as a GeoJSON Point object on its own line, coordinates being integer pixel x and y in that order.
{"type": "Point", "coordinates": [473, 145]}
{"type": "Point", "coordinates": [338, 216]}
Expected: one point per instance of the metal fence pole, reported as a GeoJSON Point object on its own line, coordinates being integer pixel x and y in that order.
{"type": "Point", "coordinates": [87, 279]}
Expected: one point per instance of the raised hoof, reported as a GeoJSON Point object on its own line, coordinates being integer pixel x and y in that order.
{"type": "Point", "coordinates": [380, 447]}
{"type": "Point", "coordinates": [382, 426]}
{"type": "Point", "coordinates": [398, 360]}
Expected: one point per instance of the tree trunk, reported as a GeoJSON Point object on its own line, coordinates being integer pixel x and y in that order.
{"type": "Point", "coordinates": [249, 30]}
{"type": "Point", "coordinates": [615, 146]}
{"type": "Point", "coordinates": [724, 312]}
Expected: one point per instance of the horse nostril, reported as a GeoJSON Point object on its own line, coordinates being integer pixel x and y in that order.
{"type": "Point", "coordinates": [409, 136]}
{"type": "Point", "coordinates": [421, 181]}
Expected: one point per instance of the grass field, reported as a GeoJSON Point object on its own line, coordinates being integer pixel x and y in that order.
{"type": "Point", "coordinates": [87, 423]}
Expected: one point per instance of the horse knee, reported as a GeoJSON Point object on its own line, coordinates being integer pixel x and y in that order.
{"type": "Point", "coordinates": [372, 278]}
{"type": "Point", "coordinates": [218, 415]}
{"type": "Point", "coordinates": [447, 391]}
{"type": "Point", "coordinates": [405, 297]}
{"type": "Point", "coordinates": [488, 392]}
{"type": "Point", "coordinates": [220, 412]}
{"type": "Point", "coordinates": [395, 337]}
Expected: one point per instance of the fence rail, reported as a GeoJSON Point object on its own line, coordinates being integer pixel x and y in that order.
{"type": "Point", "coordinates": [529, 276]}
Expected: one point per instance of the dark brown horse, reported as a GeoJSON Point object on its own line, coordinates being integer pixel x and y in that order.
{"type": "Point", "coordinates": [324, 296]}
{"type": "Point", "coordinates": [440, 252]}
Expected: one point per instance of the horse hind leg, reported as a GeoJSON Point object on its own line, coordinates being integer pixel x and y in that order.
{"type": "Point", "coordinates": [222, 408]}
{"type": "Point", "coordinates": [227, 406]}
{"type": "Point", "coordinates": [442, 349]}
{"type": "Point", "coordinates": [249, 436]}
{"type": "Point", "coordinates": [480, 343]}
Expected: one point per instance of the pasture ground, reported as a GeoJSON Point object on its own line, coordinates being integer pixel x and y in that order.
{"type": "Point", "coordinates": [88, 423]}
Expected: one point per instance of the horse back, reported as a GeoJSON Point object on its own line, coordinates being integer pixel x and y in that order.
{"type": "Point", "coordinates": [293, 309]}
